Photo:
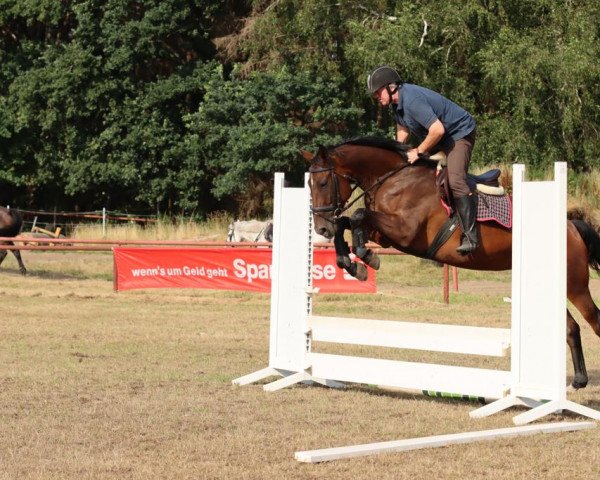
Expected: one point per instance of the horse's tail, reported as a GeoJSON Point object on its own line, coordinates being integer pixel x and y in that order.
{"type": "Point", "coordinates": [591, 239]}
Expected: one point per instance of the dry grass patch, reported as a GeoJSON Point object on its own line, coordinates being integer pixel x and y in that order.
{"type": "Point", "coordinates": [137, 385]}
{"type": "Point", "coordinates": [214, 228]}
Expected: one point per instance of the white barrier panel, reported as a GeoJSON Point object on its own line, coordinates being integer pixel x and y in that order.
{"type": "Point", "coordinates": [538, 370]}
{"type": "Point", "coordinates": [293, 327]}
{"type": "Point", "coordinates": [433, 337]}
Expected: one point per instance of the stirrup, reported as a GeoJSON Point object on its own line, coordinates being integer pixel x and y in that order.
{"type": "Point", "coordinates": [467, 247]}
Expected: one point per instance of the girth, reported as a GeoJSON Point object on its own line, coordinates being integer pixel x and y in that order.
{"type": "Point", "coordinates": [442, 236]}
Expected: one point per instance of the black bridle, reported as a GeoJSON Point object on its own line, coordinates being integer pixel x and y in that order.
{"type": "Point", "coordinates": [340, 206]}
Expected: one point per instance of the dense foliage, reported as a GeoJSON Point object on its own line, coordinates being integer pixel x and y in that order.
{"type": "Point", "coordinates": [187, 106]}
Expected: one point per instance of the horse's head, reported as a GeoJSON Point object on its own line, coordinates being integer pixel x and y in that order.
{"type": "Point", "coordinates": [329, 187]}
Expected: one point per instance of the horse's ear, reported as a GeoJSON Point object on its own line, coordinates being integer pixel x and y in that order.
{"type": "Point", "coordinates": [307, 155]}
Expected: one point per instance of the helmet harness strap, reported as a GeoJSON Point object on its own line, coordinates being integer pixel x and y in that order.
{"type": "Point", "coordinates": [390, 91]}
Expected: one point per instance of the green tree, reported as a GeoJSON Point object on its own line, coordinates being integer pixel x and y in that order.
{"type": "Point", "coordinates": [93, 97]}
{"type": "Point", "coordinates": [527, 70]}
{"type": "Point", "coordinates": [248, 128]}
{"type": "Point", "coordinates": [186, 105]}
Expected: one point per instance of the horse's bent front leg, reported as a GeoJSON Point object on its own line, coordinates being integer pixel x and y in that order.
{"type": "Point", "coordinates": [580, 379]}
{"type": "Point", "coordinates": [360, 236]}
{"type": "Point", "coordinates": [342, 251]}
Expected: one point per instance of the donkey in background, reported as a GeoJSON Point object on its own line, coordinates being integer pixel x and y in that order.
{"type": "Point", "coordinates": [10, 226]}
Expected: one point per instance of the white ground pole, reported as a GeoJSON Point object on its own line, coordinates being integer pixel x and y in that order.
{"type": "Point", "coordinates": [539, 291]}
{"type": "Point", "coordinates": [339, 453]}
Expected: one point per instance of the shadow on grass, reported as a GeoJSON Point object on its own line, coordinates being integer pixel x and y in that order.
{"type": "Point", "coordinates": [428, 396]}
{"type": "Point", "coordinates": [52, 274]}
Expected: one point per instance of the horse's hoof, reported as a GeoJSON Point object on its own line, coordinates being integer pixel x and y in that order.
{"type": "Point", "coordinates": [578, 383]}
{"type": "Point", "coordinates": [361, 272]}
{"type": "Point", "coordinates": [23, 272]}
{"type": "Point", "coordinates": [372, 260]}
{"type": "Point", "coordinates": [343, 262]}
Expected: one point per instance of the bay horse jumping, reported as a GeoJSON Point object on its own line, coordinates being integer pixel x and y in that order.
{"type": "Point", "coordinates": [10, 226]}
{"type": "Point", "coordinates": [403, 210]}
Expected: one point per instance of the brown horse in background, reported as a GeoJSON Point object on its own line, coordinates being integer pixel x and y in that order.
{"type": "Point", "coordinates": [10, 226]}
{"type": "Point", "coordinates": [403, 210]}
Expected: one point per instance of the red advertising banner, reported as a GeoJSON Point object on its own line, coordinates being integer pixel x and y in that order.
{"type": "Point", "coordinates": [247, 269]}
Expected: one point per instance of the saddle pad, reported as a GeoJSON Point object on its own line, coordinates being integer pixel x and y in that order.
{"type": "Point", "coordinates": [496, 208]}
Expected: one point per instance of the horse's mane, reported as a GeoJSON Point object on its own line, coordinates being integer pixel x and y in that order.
{"type": "Point", "coordinates": [378, 142]}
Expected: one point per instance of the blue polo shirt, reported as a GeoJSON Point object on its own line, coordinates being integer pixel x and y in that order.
{"type": "Point", "coordinates": [418, 107]}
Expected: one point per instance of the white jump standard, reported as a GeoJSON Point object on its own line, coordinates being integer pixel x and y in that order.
{"type": "Point", "coordinates": [539, 299]}
{"type": "Point", "coordinates": [537, 377]}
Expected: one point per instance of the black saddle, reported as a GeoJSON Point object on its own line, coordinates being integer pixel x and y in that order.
{"type": "Point", "coordinates": [489, 178]}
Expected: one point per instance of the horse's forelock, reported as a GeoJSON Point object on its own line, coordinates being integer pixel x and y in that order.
{"type": "Point", "coordinates": [322, 158]}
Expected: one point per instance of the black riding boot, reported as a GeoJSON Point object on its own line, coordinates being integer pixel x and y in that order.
{"type": "Point", "coordinates": [467, 215]}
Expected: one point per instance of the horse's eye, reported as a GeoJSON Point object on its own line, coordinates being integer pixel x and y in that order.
{"type": "Point", "coordinates": [323, 183]}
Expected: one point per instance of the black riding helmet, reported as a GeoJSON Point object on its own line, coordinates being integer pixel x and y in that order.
{"type": "Point", "coordinates": [381, 77]}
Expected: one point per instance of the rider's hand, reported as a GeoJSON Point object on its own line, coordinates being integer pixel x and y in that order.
{"type": "Point", "coordinates": [413, 155]}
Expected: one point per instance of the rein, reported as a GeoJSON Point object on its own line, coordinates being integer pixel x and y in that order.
{"type": "Point", "coordinates": [376, 183]}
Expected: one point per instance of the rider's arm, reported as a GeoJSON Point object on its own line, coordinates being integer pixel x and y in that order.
{"type": "Point", "coordinates": [402, 133]}
{"type": "Point", "coordinates": [434, 135]}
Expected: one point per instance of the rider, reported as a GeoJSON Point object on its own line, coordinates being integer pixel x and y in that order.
{"type": "Point", "coordinates": [440, 124]}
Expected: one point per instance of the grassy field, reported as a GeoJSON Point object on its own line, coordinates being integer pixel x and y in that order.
{"type": "Point", "coordinates": [137, 385]}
